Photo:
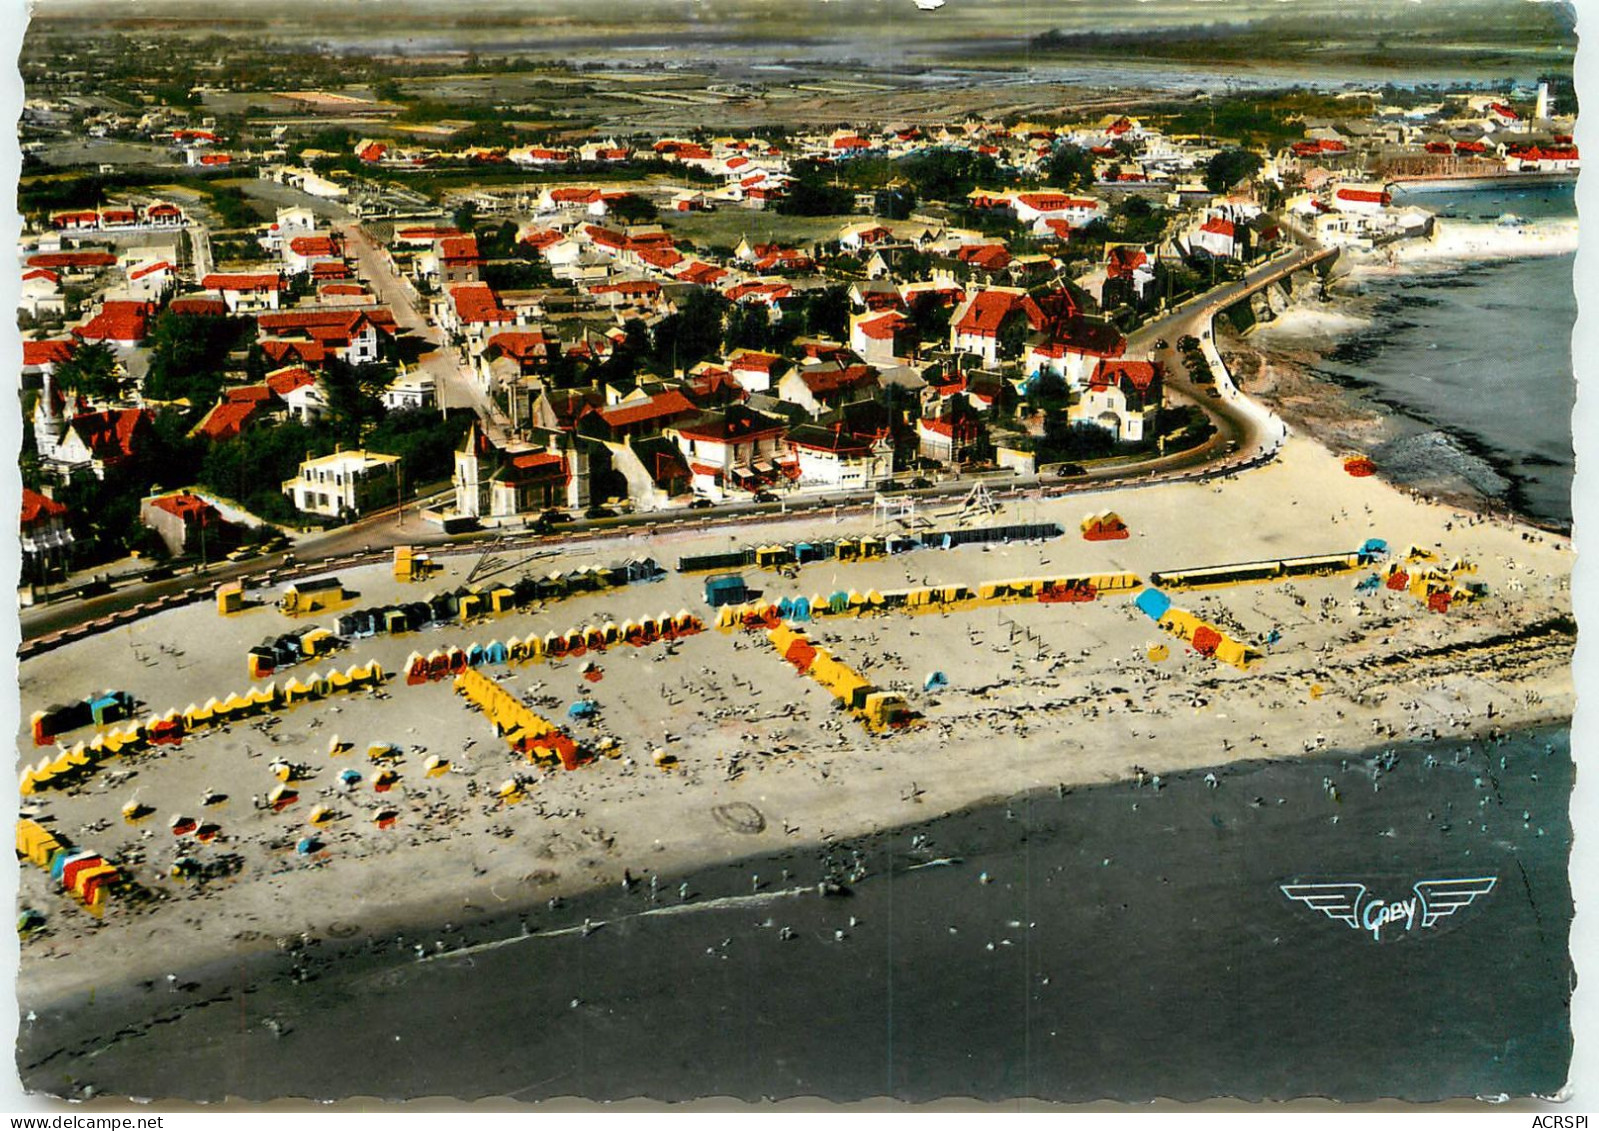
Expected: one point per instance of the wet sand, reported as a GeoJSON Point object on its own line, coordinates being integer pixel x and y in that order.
{"type": "Point", "coordinates": [1128, 942]}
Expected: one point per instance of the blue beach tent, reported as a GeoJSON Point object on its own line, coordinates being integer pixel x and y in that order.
{"type": "Point", "coordinates": [1153, 602]}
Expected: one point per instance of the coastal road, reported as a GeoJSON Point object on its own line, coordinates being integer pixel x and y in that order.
{"type": "Point", "coordinates": [1242, 427]}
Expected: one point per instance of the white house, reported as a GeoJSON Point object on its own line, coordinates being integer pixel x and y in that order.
{"type": "Point", "coordinates": [831, 457]}
{"type": "Point", "coordinates": [339, 484]}
{"type": "Point", "coordinates": [408, 391]}
{"type": "Point", "coordinates": [1216, 237]}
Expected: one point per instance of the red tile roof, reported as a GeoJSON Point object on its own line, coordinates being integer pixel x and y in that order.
{"type": "Point", "coordinates": [225, 420]}
{"type": "Point", "coordinates": [527, 467]}
{"type": "Point", "coordinates": [1138, 374]}
{"type": "Point", "coordinates": [662, 258]}
{"type": "Point", "coordinates": [659, 407]}
{"type": "Point", "coordinates": [286, 381]}
{"type": "Point", "coordinates": [759, 292]}
{"type": "Point", "coordinates": [459, 249]}
{"type": "Point", "coordinates": [754, 361]}
{"type": "Point", "coordinates": [189, 508]}
{"type": "Point", "coordinates": [72, 259]}
{"type": "Point", "coordinates": [37, 508]}
{"type": "Point", "coordinates": [425, 234]}
{"type": "Point", "coordinates": [242, 281]}
{"type": "Point", "coordinates": [884, 327]}
{"type": "Point", "coordinates": [114, 433]}
{"type": "Point", "coordinates": [1053, 201]}
{"type": "Point", "coordinates": [523, 345]}
{"type": "Point", "coordinates": [989, 309]}
{"type": "Point", "coordinates": [47, 352]}
{"type": "Point", "coordinates": [198, 304]}
{"type": "Point", "coordinates": [1217, 226]}
{"type": "Point", "coordinates": [990, 256]}
{"type": "Point", "coordinates": [825, 380]}
{"type": "Point", "coordinates": [118, 321]}
{"type": "Point", "coordinates": [149, 269]}
{"type": "Point", "coordinates": [476, 304]}
{"type": "Point", "coordinates": [1363, 196]}
{"type": "Point", "coordinates": [703, 274]}
{"type": "Point", "coordinates": [1120, 261]}
{"type": "Point", "coordinates": [347, 320]}
{"type": "Point", "coordinates": [313, 245]}
{"type": "Point", "coordinates": [308, 353]}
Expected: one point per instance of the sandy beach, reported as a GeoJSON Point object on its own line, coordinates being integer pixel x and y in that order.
{"type": "Point", "coordinates": [1039, 696]}
{"type": "Point", "coordinates": [1119, 940]}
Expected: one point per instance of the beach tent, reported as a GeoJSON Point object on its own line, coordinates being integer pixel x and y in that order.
{"type": "Point", "coordinates": [502, 600]}
{"type": "Point", "coordinates": [385, 780]}
{"type": "Point", "coordinates": [474, 655]}
{"type": "Point", "coordinates": [349, 778]}
{"type": "Point", "coordinates": [800, 609]}
{"type": "Point", "coordinates": [230, 598]}
{"type": "Point", "coordinates": [935, 681]}
{"type": "Point", "coordinates": [582, 709]}
{"type": "Point", "coordinates": [282, 797]}
{"type": "Point", "coordinates": [496, 653]}
{"type": "Point", "coordinates": [510, 792]}
{"type": "Point", "coordinates": [308, 846]}
{"type": "Point", "coordinates": [1206, 640]}
{"type": "Point", "coordinates": [1153, 603]}
{"type": "Point", "coordinates": [321, 815]}
{"type": "Point", "coordinates": [384, 818]}
{"type": "Point", "coordinates": [433, 766]}
{"type": "Point", "coordinates": [182, 825]}
{"type": "Point", "coordinates": [60, 862]}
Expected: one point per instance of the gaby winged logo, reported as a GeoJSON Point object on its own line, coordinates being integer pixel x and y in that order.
{"type": "Point", "coordinates": [1352, 904]}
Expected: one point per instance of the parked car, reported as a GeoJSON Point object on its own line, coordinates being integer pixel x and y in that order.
{"type": "Point", "coordinates": [552, 516]}
{"type": "Point", "coordinates": [919, 481]}
{"type": "Point", "coordinates": [1070, 471]}
{"type": "Point", "coordinates": [765, 497]}
{"type": "Point", "coordinates": [599, 512]}
{"type": "Point", "coordinates": [700, 504]}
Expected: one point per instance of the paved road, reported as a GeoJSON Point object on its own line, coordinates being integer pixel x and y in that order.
{"type": "Point", "coordinates": [453, 384]}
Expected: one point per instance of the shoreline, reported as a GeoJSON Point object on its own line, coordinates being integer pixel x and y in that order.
{"type": "Point", "coordinates": [1353, 414]}
{"type": "Point", "coordinates": [284, 990]}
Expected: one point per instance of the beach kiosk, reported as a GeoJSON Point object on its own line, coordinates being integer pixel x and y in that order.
{"type": "Point", "coordinates": [725, 589]}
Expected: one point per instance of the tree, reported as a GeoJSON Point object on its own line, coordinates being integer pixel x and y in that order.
{"type": "Point", "coordinates": [634, 209]}
{"type": "Point", "coordinates": [93, 371]}
{"type": "Point", "coordinates": [465, 216]}
{"type": "Point", "coordinates": [1071, 167]}
{"type": "Point", "coordinates": [693, 333]}
{"type": "Point", "coordinates": [355, 395]}
{"type": "Point", "coordinates": [1230, 166]}
{"type": "Point", "coordinates": [827, 312]}
{"type": "Point", "coordinates": [815, 198]}
{"type": "Point", "coordinates": [948, 174]}
{"type": "Point", "coordinates": [188, 353]}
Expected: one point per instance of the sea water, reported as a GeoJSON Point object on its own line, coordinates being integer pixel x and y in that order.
{"type": "Point", "coordinates": [1478, 347]}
